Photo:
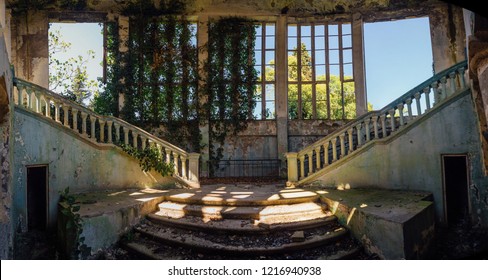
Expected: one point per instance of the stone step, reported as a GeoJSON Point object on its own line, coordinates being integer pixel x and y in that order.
{"type": "Point", "coordinates": [263, 214]}
{"type": "Point", "coordinates": [277, 243]}
{"type": "Point", "coordinates": [236, 226]}
{"type": "Point", "coordinates": [239, 196]}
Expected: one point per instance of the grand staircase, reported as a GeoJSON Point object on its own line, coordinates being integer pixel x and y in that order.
{"type": "Point", "coordinates": [376, 127]}
{"type": "Point", "coordinates": [242, 222]}
{"type": "Point", "coordinates": [102, 131]}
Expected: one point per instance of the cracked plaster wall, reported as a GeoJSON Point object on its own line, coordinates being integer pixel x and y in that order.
{"type": "Point", "coordinates": [413, 160]}
{"type": "Point", "coordinates": [6, 228]}
{"type": "Point", "coordinates": [72, 162]}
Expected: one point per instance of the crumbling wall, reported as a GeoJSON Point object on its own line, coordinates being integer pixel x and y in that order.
{"type": "Point", "coordinates": [6, 228]}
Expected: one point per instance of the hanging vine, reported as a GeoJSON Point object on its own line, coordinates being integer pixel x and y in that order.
{"type": "Point", "coordinates": [231, 80]}
{"type": "Point", "coordinates": [158, 76]}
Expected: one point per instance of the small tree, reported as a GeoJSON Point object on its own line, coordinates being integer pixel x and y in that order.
{"type": "Point", "coordinates": [70, 77]}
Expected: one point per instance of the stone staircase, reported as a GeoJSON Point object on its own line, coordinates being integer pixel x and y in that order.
{"type": "Point", "coordinates": [242, 222]}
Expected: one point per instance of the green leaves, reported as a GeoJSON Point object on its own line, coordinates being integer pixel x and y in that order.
{"type": "Point", "coordinates": [73, 221]}
{"type": "Point", "coordinates": [150, 159]}
{"type": "Point", "coordinates": [70, 77]}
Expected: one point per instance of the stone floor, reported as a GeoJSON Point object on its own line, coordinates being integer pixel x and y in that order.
{"type": "Point", "coordinates": [457, 242]}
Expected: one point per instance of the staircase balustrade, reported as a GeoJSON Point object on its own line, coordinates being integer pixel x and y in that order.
{"type": "Point", "coordinates": [377, 125]}
{"type": "Point", "coordinates": [103, 130]}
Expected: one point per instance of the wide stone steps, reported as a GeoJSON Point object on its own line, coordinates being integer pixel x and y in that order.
{"type": "Point", "coordinates": [222, 222]}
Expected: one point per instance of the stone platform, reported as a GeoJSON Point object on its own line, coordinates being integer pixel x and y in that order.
{"type": "Point", "coordinates": [391, 224]}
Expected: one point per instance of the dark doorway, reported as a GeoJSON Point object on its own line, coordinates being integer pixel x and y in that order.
{"type": "Point", "coordinates": [456, 182]}
{"type": "Point", "coordinates": [37, 197]}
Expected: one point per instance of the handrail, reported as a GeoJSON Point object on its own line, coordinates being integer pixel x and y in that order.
{"type": "Point", "coordinates": [41, 100]}
{"type": "Point", "coordinates": [377, 124]}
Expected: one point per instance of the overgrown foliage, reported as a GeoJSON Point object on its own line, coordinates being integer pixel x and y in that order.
{"type": "Point", "coordinates": [159, 78]}
{"type": "Point", "coordinates": [70, 77]}
{"type": "Point", "coordinates": [150, 158]}
{"type": "Point", "coordinates": [231, 79]}
{"type": "Point", "coordinates": [73, 246]}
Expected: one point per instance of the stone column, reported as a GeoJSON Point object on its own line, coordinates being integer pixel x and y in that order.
{"type": "Point", "coordinates": [359, 65]}
{"type": "Point", "coordinates": [202, 58]}
{"type": "Point", "coordinates": [447, 35]}
{"type": "Point", "coordinates": [123, 23]}
{"type": "Point", "coordinates": [30, 47]}
{"type": "Point", "coordinates": [281, 86]}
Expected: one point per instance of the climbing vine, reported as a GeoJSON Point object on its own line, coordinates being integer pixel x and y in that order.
{"type": "Point", "coordinates": [231, 80]}
{"type": "Point", "coordinates": [159, 77]}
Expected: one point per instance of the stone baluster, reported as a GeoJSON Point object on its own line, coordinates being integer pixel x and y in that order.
{"type": "Point", "coordinates": [334, 149]}
{"type": "Point", "coordinates": [117, 132]}
{"type": "Point", "coordinates": [409, 109]}
{"type": "Point", "coordinates": [444, 88]}
{"type": "Point", "coordinates": [56, 112]}
{"type": "Point", "coordinates": [92, 128]}
{"type": "Point", "coordinates": [392, 119]}
{"type": "Point", "coordinates": [375, 126]}
{"type": "Point", "coordinates": [343, 145]}
{"type": "Point", "coordinates": [83, 123]}
{"type": "Point", "coordinates": [310, 162]}
{"type": "Point", "coordinates": [37, 105]}
{"type": "Point", "coordinates": [183, 167]}
{"type": "Point", "coordinates": [30, 96]}
{"type": "Point", "coordinates": [126, 135]}
{"type": "Point", "coordinates": [109, 130]}
{"type": "Point", "coordinates": [102, 130]}
{"type": "Point", "coordinates": [461, 77]}
{"type": "Point", "coordinates": [317, 158]}
{"type": "Point", "coordinates": [143, 142]}
{"type": "Point", "coordinates": [400, 111]}
{"type": "Point", "coordinates": [134, 140]}
{"type": "Point", "coordinates": [427, 97]}
{"type": "Point", "coordinates": [367, 121]}
{"type": "Point", "coordinates": [350, 139]}
{"type": "Point", "coordinates": [435, 90]}
{"type": "Point", "coordinates": [75, 119]}
{"type": "Point", "coordinates": [302, 166]}
{"type": "Point", "coordinates": [176, 161]}
{"type": "Point", "coordinates": [48, 107]}
{"type": "Point", "coordinates": [20, 96]}
{"type": "Point", "coordinates": [452, 79]}
{"type": "Point", "coordinates": [168, 155]}
{"type": "Point", "coordinates": [326, 153]}
{"type": "Point", "coordinates": [66, 115]}
{"type": "Point", "coordinates": [383, 125]}
{"type": "Point", "coordinates": [417, 102]}
{"type": "Point", "coordinates": [359, 135]}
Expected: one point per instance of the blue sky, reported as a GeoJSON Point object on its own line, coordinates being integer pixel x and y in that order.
{"type": "Point", "coordinates": [398, 58]}
{"type": "Point", "coordinates": [398, 54]}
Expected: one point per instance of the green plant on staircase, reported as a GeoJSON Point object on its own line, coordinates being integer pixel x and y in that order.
{"type": "Point", "coordinates": [150, 158]}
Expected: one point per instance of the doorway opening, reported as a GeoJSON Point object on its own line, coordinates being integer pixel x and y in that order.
{"type": "Point", "coordinates": [456, 184]}
{"type": "Point", "coordinates": [37, 197]}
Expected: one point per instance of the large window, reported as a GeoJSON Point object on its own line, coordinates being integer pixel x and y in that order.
{"type": "Point", "coordinates": [320, 72]}
{"type": "Point", "coordinates": [265, 68]}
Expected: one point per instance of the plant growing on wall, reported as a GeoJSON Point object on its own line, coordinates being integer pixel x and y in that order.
{"type": "Point", "coordinates": [231, 80]}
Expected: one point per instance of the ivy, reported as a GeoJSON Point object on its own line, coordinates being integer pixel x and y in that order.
{"type": "Point", "coordinates": [150, 158]}
{"type": "Point", "coordinates": [159, 77]}
{"type": "Point", "coordinates": [231, 80]}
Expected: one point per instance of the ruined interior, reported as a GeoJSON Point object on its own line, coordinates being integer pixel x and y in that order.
{"type": "Point", "coordinates": [248, 154]}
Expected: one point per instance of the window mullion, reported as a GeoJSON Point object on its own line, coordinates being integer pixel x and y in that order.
{"type": "Point", "coordinates": [314, 103]}
{"type": "Point", "coordinates": [327, 68]}
{"type": "Point", "coordinates": [263, 71]}
{"type": "Point", "coordinates": [341, 69]}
